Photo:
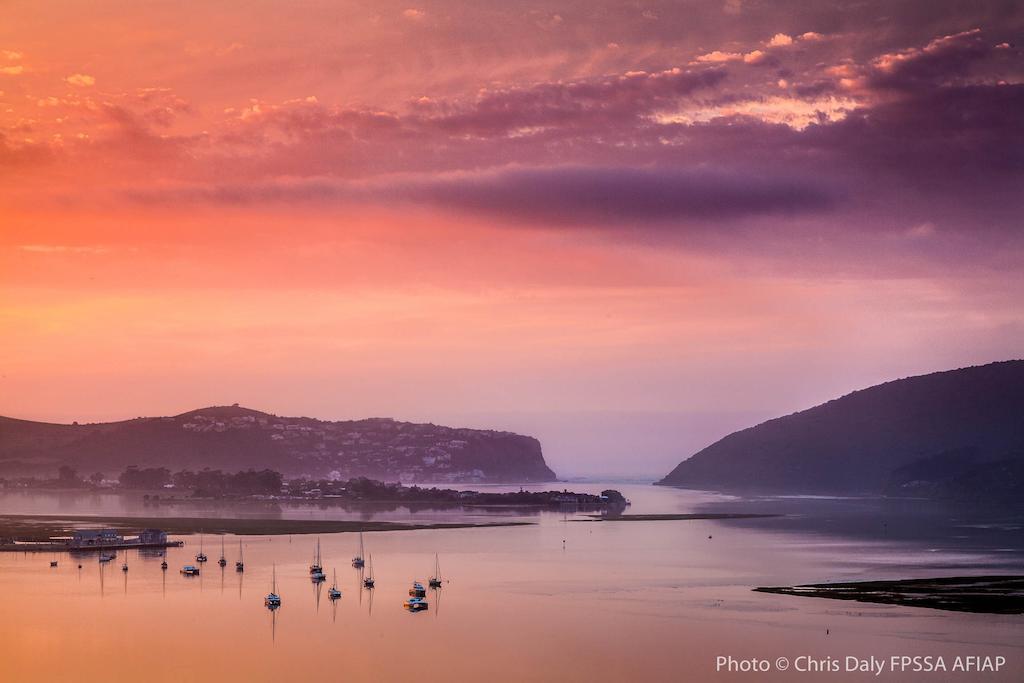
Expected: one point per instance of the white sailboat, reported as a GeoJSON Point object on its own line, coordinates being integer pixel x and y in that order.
{"type": "Point", "coordinates": [368, 579]}
{"type": "Point", "coordinates": [435, 580]}
{"type": "Point", "coordinates": [357, 561]}
{"type": "Point", "coordinates": [316, 570]}
{"type": "Point", "coordinates": [201, 556]}
{"type": "Point", "coordinates": [273, 600]}
{"type": "Point", "coordinates": [333, 593]}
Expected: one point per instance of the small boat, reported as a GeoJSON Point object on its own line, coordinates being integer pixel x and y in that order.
{"type": "Point", "coordinates": [416, 604]}
{"type": "Point", "coordinates": [417, 590]}
{"type": "Point", "coordinates": [357, 561]}
{"type": "Point", "coordinates": [222, 562]}
{"type": "Point", "coordinates": [316, 570]}
{"type": "Point", "coordinates": [124, 566]}
{"type": "Point", "coordinates": [53, 563]}
{"type": "Point", "coordinates": [333, 593]}
{"type": "Point", "coordinates": [273, 600]}
{"type": "Point", "coordinates": [163, 565]}
{"type": "Point", "coordinates": [316, 567]}
{"type": "Point", "coordinates": [435, 580]}
{"type": "Point", "coordinates": [239, 565]}
{"type": "Point", "coordinates": [368, 579]}
{"type": "Point", "coordinates": [104, 557]}
{"type": "Point", "coordinates": [190, 570]}
{"type": "Point", "coordinates": [201, 556]}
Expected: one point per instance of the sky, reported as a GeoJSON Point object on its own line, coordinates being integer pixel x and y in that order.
{"type": "Point", "coordinates": [627, 228]}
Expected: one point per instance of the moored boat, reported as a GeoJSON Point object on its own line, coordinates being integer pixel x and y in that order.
{"type": "Point", "coordinates": [239, 565]}
{"type": "Point", "coordinates": [333, 593]}
{"type": "Point", "coordinates": [190, 570]}
{"type": "Point", "coordinates": [200, 556]}
{"type": "Point", "coordinates": [368, 579]}
{"type": "Point", "coordinates": [435, 580]}
{"type": "Point", "coordinates": [316, 570]}
{"type": "Point", "coordinates": [358, 561]}
{"type": "Point", "coordinates": [273, 600]}
{"type": "Point", "coordinates": [417, 590]}
{"type": "Point", "coordinates": [416, 604]}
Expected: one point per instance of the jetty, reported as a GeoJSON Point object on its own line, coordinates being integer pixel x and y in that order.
{"type": "Point", "coordinates": [90, 540]}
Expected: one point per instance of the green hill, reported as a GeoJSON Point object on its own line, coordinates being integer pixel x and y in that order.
{"type": "Point", "coordinates": [956, 434]}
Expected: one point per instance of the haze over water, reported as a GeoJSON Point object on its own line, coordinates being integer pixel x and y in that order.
{"type": "Point", "coordinates": [620, 601]}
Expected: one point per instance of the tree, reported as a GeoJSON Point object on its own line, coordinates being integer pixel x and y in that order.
{"type": "Point", "coordinates": [149, 478]}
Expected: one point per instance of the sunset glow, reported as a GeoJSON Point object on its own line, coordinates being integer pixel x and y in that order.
{"type": "Point", "coordinates": [498, 214]}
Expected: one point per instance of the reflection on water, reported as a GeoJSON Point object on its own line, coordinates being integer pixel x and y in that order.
{"type": "Point", "coordinates": [560, 600]}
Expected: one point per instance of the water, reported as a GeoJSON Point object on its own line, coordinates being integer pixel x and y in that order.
{"type": "Point", "coordinates": [615, 601]}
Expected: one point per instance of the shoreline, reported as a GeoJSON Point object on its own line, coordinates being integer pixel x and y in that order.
{"type": "Point", "coordinates": [41, 528]}
{"type": "Point", "coordinates": [678, 517]}
{"type": "Point", "coordinates": [986, 594]}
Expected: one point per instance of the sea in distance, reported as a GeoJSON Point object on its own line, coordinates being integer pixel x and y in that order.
{"type": "Point", "coordinates": [564, 598]}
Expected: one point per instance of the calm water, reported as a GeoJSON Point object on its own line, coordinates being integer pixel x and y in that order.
{"type": "Point", "coordinates": [616, 601]}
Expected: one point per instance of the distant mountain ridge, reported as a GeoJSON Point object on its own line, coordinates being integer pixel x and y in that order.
{"type": "Point", "coordinates": [234, 438]}
{"type": "Point", "coordinates": [957, 434]}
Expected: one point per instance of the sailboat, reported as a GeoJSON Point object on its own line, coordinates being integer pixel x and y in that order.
{"type": "Point", "coordinates": [273, 600]}
{"type": "Point", "coordinates": [368, 580]}
{"type": "Point", "coordinates": [222, 561]}
{"type": "Point", "coordinates": [435, 580]}
{"type": "Point", "coordinates": [357, 561]}
{"type": "Point", "coordinates": [201, 556]}
{"type": "Point", "coordinates": [163, 565]}
{"type": "Point", "coordinates": [316, 570]}
{"type": "Point", "coordinates": [124, 566]}
{"type": "Point", "coordinates": [239, 565]}
{"type": "Point", "coordinates": [334, 593]}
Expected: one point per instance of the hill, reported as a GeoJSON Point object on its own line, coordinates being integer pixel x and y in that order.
{"type": "Point", "coordinates": [956, 434]}
{"type": "Point", "coordinates": [233, 438]}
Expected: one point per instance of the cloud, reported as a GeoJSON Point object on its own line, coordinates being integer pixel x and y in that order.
{"type": "Point", "coordinates": [81, 80]}
{"type": "Point", "coordinates": [63, 249]}
{"type": "Point", "coordinates": [414, 14]}
{"type": "Point", "coordinates": [780, 39]}
{"type": "Point", "coordinates": [938, 62]}
{"type": "Point", "coordinates": [922, 230]}
{"type": "Point", "coordinates": [928, 133]}
{"type": "Point", "coordinates": [589, 195]}
{"type": "Point", "coordinates": [718, 56]}
{"type": "Point", "coordinates": [558, 195]}
{"type": "Point", "coordinates": [12, 70]}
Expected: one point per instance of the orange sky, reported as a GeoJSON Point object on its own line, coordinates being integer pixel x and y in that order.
{"type": "Point", "coordinates": [443, 212]}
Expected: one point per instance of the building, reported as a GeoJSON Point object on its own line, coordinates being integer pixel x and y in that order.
{"type": "Point", "coordinates": [85, 538]}
{"type": "Point", "coordinates": [153, 536]}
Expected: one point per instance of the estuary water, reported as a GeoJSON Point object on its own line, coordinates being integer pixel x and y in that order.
{"type": "Point", "coordinates": [561, 599]}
